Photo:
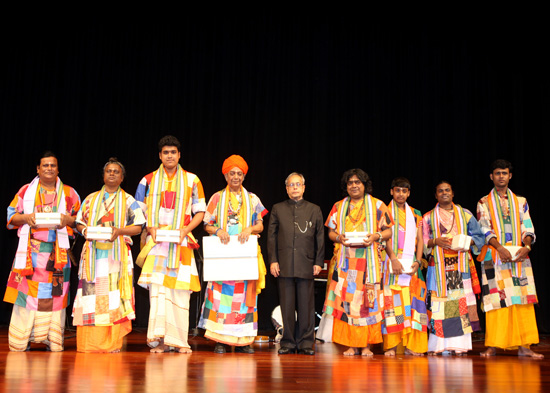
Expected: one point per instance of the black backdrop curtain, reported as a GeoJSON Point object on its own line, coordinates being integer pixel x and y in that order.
{"type": "Point", "coordinates": [318, 97]}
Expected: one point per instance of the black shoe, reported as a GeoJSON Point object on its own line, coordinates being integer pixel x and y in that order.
{"type": "Point", "coordinates": [245, 349]}
{"type": "Point", "coordinates": [286, 351]}
{"type": "Point", "coordinates": [306, 351]}
{"type": "Point", "coordinates": [219, 348]}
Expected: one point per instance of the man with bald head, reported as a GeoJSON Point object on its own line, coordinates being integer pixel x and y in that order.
{"type": "Point", "coordinates": [296, 246]}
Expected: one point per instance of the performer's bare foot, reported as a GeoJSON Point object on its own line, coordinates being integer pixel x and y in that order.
{"type": "Point", "coordinates": [184, 350]}
{"type": "Point", "coordinates": [412, 353]}
{"type": "Point", "coordinates": [459, 353]}
{"type": "Point", "coordinates": [351, 351]}
{"type": "Point", "coordinates": [115, 351]}
{"type": "Point", "coordinates": [491, 351]}
{"type": "Point", "coordinates": [432, 354]}
{"type": "Point", "coordinates": [161, 348]}
{"type": "Point", "coordinates": [158, 349]}
{"type": "Point", "coordinates": [366, 351]}
{"type": "Point", "coordinates": [523, 351]}
{"type": "Point", "coordinates": [390, 352]}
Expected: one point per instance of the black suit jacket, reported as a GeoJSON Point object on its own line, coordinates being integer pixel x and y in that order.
{"type": "Point", "coordinates": [296, 238]}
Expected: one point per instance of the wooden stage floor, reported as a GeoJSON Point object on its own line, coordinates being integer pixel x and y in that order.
{"type": "Point", "coordinates": [137, 370]}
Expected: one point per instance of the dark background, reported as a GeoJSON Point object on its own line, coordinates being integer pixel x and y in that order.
{"type": "Point", "coordinates": [318, 96]}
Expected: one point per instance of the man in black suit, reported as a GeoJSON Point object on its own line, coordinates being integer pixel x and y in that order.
{"type": "Point", "coordinates": [296, 247]}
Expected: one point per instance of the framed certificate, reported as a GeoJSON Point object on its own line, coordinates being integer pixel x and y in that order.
{"type": "Point", "coordinates": [47, 220]}
{"type": "Point", "coordinates": [168, 236]}
{"type": "Point", "coordinates": [355, 238]}
{"type": "Point", "coordinates": [513, 250]}
{"type": "Point", "coordinates": [461, 242]}
{"type": "Point", "coordinates": [407, 265]}
{"type": "Point", "coordinates": [99, 233]}
{"type": "Point", "coordinates": [232, 261]}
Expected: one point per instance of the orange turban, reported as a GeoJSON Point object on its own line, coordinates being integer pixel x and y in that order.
{"type": "Point", "coordinates": [234, 161]}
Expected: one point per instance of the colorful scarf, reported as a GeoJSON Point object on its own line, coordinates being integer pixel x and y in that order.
{"type": "Point", "coordinates": [497, 218]}
{"type": "Point", "coordinates": [23, 256]}
{"type": "Point", "coordinates": [245, 213]}
{"type": "Point", "coordinates": [438, 252]}
{"type": "Point", "coordinates": [409, 246]}
{"type": "Point", "coordinates": [154, 200]}
{"type": "Point", "coordinates": [245, 219]}
{"type": "Point", "coordinates": [371, 255]}
{"type": "Point", "coordinates": [96, 211]}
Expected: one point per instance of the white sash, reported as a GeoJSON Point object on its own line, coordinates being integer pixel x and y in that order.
{"type": "Point", "coordinates": [28, 208]}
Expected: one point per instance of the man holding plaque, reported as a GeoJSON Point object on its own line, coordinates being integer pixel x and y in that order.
{"type": "Point", "coordinates": [296, 245]}
{"type": "Point", "coordinates": [174, 202]}
{"type": "Point", "coordinates": [451, 277]}
{"type": "Point", "coordinates": [405, 315]}
{"type": "Point", "coordinates": [44, 213]}
{"type": "Point", "coordinates": [508, 286]}
{"type": "Point", "coordinates": [229, 314]}
{"type": "Point", "coordinates": [104, 304]}
{"type": "Point", "coordinates": [358, 225]}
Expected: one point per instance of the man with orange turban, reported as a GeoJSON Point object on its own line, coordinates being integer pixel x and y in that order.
{"type": "Point", "coordinates": [233, 211]}
{"type": "Point", "coordinates": [232, 162]}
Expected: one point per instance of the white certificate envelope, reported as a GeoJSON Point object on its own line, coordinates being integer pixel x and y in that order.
{"type": "Point", "coordinates": [168, 236]}
{"type": "Point", "coordinates": [461, 242]}
{"type": "Point", "coordinates": [230, 262]}
{"type": "Point", "coordinates": [407, 265]}
{"type": "Point", "coordinates": [99, 233]}
{"type": "Point", "coordinates": [513, 250]}
{"type": "Point", "coordinates": [355, 238]}
{"type": "Point", "coordinates": [47, 220]}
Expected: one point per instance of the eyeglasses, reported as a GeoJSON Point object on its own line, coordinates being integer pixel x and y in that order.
{"type": "Point", "coordinates": [292, 185]}
{"type": "Point", "coordinates": [354, 182]}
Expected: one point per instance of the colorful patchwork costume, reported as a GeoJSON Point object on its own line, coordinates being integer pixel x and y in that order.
{"type": "Point", "coordinates": [104, 303]}
{"type": "Point", "coordinates": [452, 281]}
{"type": "Point", "coordinates": [405, 317]}
{"type": "Point", "coordinates": [356, 299]}
{"type": "Point", "coordinates": [229, 313]}
{"type": "Point", "coordinates": [168, 269]}
{"type": "Point", "coordinates": [38, 284]}
{"type": "Point", "coordinates": [508, 289]}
